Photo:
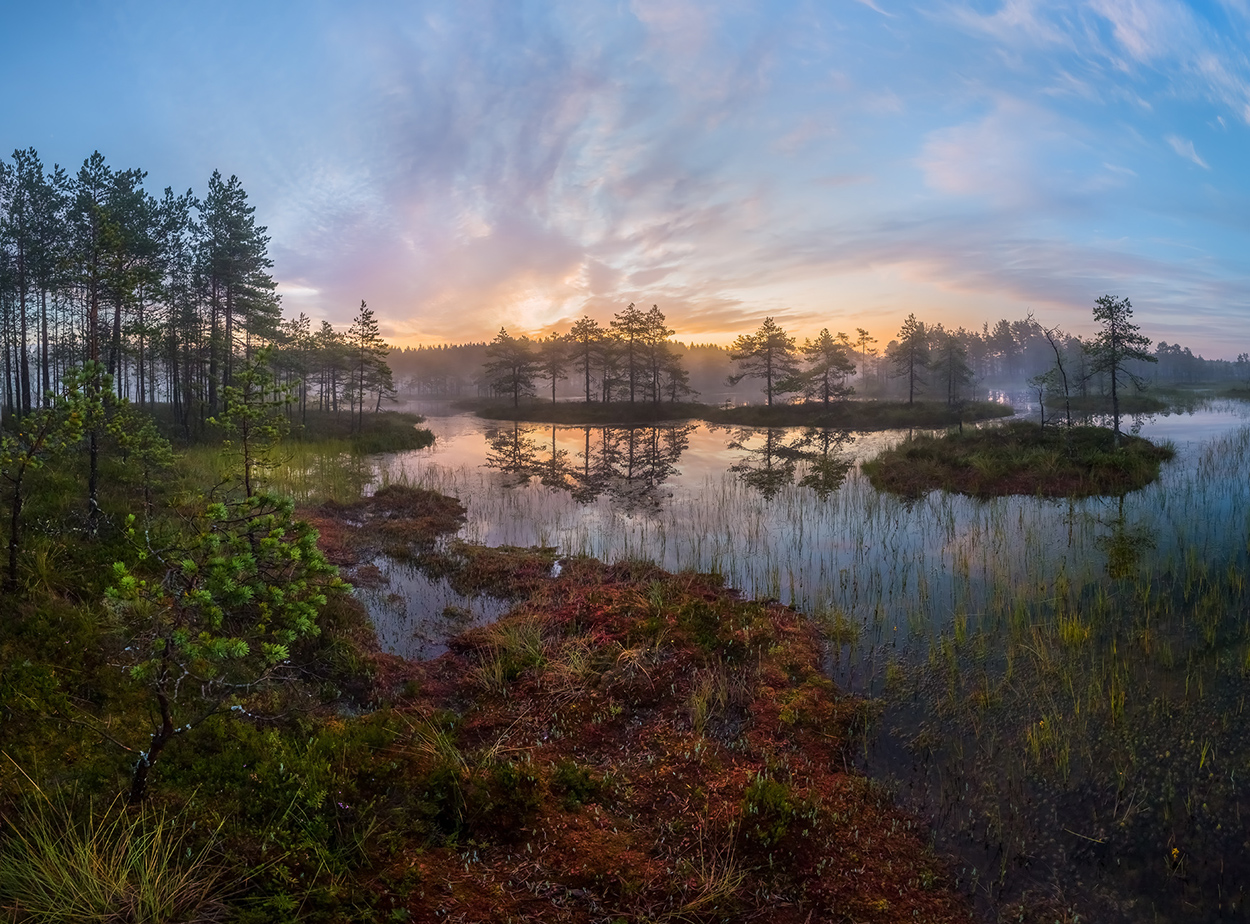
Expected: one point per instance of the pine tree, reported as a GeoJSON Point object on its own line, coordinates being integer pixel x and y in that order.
{"type": "Point", "coordinates": [1118, 343]}
{"type": "Point", "coordinates": [951, 365]}
{"type": "Point", "coordinates": [630, 328]}
{"type": "Point", "coordinates": [92, 228]}
{"type": "Point", "coordinates": [583, 336]}
{"type": "Point", "coordinates": [767, 354]}
{"type": "Point", "coordinates": [864, 341]}
{"type": "Point", "coordinates": [553, 360]}
{"type": "Point", "coordinates": [234, 265]}
{"type": "Point", "coordinates": [511, 365]}
{"type": "Point", "coordinates": [656, 350]}
{"type": "Point", "coordinates": [828, 366]}
{"type": "Point", "coordinates": [368, 357]}
{"type": "Point", "coordinates": [911, 354]}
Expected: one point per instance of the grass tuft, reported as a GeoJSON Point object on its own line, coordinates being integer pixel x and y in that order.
{"type": "Point", "coordinates": [108, 867]}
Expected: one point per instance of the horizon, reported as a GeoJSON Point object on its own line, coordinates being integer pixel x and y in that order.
{"type": "Point", "coordinates": [467, 167]}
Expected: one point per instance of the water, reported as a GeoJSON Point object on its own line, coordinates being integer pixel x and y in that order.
{"type": "Point", "coordinates": [1061, 683]}
{"type": "Point", "coordinates": [414, 614]}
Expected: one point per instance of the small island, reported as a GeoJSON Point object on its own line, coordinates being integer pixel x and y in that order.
{"type": "Point", "coordinates": [848, 415]}
{"type": "Point", "coordinates": [1020, 457]}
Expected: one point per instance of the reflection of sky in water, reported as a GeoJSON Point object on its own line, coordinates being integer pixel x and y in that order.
{"type": "Point", "coordinates": [911, 577]}
{"type": "Point", "coordinates": [867, 553]}
{"type": "Point", "coordinates": [414, 615]}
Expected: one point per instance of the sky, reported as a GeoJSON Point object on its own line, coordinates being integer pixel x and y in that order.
{"type": "Point", "coordinates": [468, 165]}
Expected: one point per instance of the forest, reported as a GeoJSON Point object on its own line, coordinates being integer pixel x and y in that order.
{"type": "Point", "coordinates": [164, 293]}
{"type": "Point", "coordinates": [1002, 356]}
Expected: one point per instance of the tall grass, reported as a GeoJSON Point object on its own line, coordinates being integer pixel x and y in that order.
{"type": "Point", "coordinates": [109, 866]}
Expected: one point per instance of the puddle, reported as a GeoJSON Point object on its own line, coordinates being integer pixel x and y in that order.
{"type": "Point", "coordinates": [414, 615]}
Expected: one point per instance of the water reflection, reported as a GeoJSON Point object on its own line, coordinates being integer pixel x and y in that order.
{"type": "Point", "coordinates": [1064, 682]}
{"type": "Point", "coordinates": [633, 465]}
{"type": "Point", "coordinates": [630, 465]}
{"type": "Point", "coordinates": [771, 465]}
{"type": "Point", "coordinates": [1124, 544]}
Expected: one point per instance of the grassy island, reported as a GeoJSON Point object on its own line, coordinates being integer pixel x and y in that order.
{"type": "Point", "coordinates": [1019, 458]}
{"type": "Point", "coordinates": [849, 415]}
{"type": "Point", "coordinates": [383, 431]}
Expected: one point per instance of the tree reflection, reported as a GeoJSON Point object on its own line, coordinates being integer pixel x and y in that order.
{"type": "Point", "coordinates": [513, 452]}
{"type": "Point", "coordinates": [772, 465]}
{"type": "Point", "coordinates": [826, 469]}
{"type": "Point", "coordinates": [1124, 545]}
{"type": "Point", "coordinates": [767, 468]}
{"type": "Point", "coordinates": [630, 465]}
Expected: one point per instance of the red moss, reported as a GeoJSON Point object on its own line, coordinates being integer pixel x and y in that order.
{"type": "Point", "coordinates": [670, 816]}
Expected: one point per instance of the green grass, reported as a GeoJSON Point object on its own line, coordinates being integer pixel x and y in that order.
{"type": "Point", "coordinates": [854, 415]}
{"type": "Point", "coordinates": [384, 431]}
{"type": "Point", "coordinates": [107, 867]}
{"type": "Point", "coordinates": [1019, 458]}
{"type": "Point", "coordinates": [860, 415]}
{"type": "Point", "coordinates": [321, 462]}
{"type": "Point", "coordinates": [1129, 404]}
{"type": "Point", "coordinates": [381, 431]}
{"type": "Point", "coordinates": [1240, 392]}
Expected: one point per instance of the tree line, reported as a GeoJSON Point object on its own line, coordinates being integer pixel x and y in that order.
{"type": "Point", "coordinates": [166, 293]}
{"type": "Point", "coordinates": [632, 359]}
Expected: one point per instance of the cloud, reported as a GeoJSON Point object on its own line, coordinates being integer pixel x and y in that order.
{"type": "Point", "coordinates": [1086, 47]}
{"type": "Point", "coordinates": [1185, 149]}
{"type": "Point", "coordinates": [1015, 156]}
{"type": "Point", "coordinates": [873, 6]}
{"type": "Point", "coordinates": [467, 164]}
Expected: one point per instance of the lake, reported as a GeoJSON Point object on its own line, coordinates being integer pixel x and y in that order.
{"type": "Point", "coordinates": [1058, 686]}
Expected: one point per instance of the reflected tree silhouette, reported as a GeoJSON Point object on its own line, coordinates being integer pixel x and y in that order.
{"type": "Point", "coordinates": [1124, 544]}
{"type": "Point", "coordinates": [630, 465]}
{"type": "Point", "coordinates": [769, 467]}
{"type": "Point", "coordinates": [513, 452]}
{"type": "Point", "coordinates": [826, 470]}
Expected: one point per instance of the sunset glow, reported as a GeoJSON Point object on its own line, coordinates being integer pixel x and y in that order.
{"type": "Point", "coordinates": [463, 166]}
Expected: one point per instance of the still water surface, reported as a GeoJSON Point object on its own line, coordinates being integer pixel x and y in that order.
{"type": "Point", "coordinates": [1060, 685]}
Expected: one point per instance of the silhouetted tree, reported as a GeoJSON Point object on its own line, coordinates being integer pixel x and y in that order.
{"type": "Point", "coordinates": [511, 365]}
{"type": "Point", "coordinates": [552, 360]}
{"type": "Point", "coordinates": [630, 329]}
{"type": "Point", "coordinates": [911, 355]}
{"type": "Point", "coordinates": [828, 366]}
{"type": "Point", "coordinates": [583, 336]}
{"type": "Point", "coordinates": [1115, 346]}
{"type": "Point", "coordinates": [767, 354]}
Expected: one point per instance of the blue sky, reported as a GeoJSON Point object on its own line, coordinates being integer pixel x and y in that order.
{"type": "Point", "coordinates": [467, 165]}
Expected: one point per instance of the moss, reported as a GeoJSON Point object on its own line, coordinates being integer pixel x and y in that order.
{"type": "Point", "coordinates": [1019, 458]}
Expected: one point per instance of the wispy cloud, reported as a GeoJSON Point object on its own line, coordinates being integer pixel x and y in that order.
{"type": "Point", "coordinates": [1185, 148]}
{"type": "Point", "coordinates": [875, 8]}
{"type": "Point", "coordinates": [466, 164]}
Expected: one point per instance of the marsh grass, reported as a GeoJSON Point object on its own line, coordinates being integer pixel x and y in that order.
{"type": "Point", "coordinates": [857, 415]}
{"type": "Point", "coordinates": [1019, 458]}
{"type": "Point", "coordinates": [1119, 623]}
{"type": "Point", "coordinates": [106, 866]}
{"type": "Point", "coordinates": [507, 648]}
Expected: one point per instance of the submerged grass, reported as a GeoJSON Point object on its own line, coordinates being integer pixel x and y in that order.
{"type": "Point", "coordinates": [1019, 458]}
